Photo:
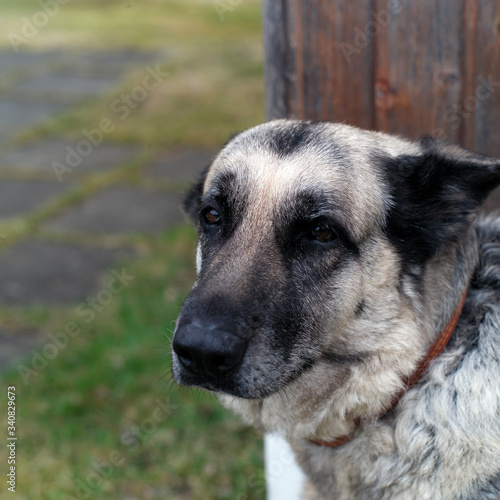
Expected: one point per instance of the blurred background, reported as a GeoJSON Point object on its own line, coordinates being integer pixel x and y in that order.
{"type": "Point", "coordinates": [108, 110]}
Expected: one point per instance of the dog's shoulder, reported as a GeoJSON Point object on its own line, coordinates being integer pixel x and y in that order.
{"type": "Point", "coordinates": [479, 327]}
{"type": "Point", "coordinates": [451, 422]}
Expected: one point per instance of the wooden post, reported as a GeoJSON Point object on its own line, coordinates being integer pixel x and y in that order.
{"type": "Point", "coordinates": [409, 67]}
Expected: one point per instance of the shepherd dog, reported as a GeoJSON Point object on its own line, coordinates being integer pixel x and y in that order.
{"type": "Point", "coordinates": [348, 299]}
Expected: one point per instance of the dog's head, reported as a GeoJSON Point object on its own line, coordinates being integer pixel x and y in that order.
{"type": "Point", "coordinates": [327, 257]}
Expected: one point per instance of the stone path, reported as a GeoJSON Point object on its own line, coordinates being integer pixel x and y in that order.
{"type": "Point", "coordinates": [35, 87]}
{"type": "Point", "coordinates": [121, 209]}
{"type": "Point", "coordinates": [40, 156]}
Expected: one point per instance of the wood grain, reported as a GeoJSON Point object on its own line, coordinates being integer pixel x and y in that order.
{"type": "Point", "coordinates": [401, 66]}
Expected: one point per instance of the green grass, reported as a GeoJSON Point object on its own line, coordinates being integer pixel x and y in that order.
{"type": "Point", "coordinates": [95, 402]}
{"type": "Point", "coordinates": [83, 407]}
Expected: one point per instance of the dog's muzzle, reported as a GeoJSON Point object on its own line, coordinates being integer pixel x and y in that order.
{"type": "Point", "coordinates": [208, 350]}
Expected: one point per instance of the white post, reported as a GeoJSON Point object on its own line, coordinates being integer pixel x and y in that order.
{"type": "Point", "coordinates": [284, 478]}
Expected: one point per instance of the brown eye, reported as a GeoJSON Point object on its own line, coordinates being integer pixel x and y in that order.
{"type": "Point", "coordinates": [323, 234]}
{"type": "Point", "coordinates": [211, 216]}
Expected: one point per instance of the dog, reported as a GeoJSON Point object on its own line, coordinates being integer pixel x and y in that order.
{"type": "Point", "coordinates": [331, 262]}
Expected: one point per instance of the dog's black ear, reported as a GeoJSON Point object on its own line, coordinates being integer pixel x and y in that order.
{"type": "Point", "coordinates": [435, 195]}
{"type": "Point", "coordinates": [192, 198]}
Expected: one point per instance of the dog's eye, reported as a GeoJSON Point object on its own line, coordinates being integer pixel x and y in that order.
{"type": "Point", "coordinates": [210, 216]}
{"type": "Point", "coordinates": [323, 233]}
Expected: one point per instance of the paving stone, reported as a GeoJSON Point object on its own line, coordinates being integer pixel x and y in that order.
{"type": "Point", "coordinates": [19, 197]}
{"type": "Point", "coordinates": [42, 155]}
{"type": "Point", "coordinates": [11, 61]}
{"type": "Point", "coordinates": [181, 166]}
{"type": "Point", "coordinates": [50, 70]}
{"type": "Point", "coordinates": [15, 346]}
{"type": "Point", "coordinates": [74, 60]}
{"type": "Point", "coordinates": [61, 100]}
{"type": "Point", "coordinates": [122, 209]}
{"type": "Point", "coordinates": [41, 83]}
{"type": "Point", "coordinates": [125, 57]}
{"type": "Point", "coordinates": [5, 139]}
{"type": "Point", "coordinates": [493, 201]}
{"type": "Point", "coordinates": [19, 115]}
{"type": "Point", "coordinates": [105, 65]}
{"type": "Point", "coordinates": [54, 84]}
{"type": "Point", "coordinates": [35, 272]}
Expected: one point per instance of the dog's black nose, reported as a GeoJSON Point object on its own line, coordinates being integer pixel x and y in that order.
{"type": "Point", "coordinates": [208, 351]}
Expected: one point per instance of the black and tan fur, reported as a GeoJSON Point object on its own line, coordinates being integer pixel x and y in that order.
{"type": "Point", "coordinates": [313, 338]}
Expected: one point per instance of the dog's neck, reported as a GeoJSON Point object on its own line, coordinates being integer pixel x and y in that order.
{"type": "Point", "coordinates": [434, 351]}
{"type": "Point", "coordinates": [345, 396]}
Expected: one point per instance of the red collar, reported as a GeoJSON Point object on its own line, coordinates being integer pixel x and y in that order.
{"type": "Point", "coordinates": [434, 351]}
